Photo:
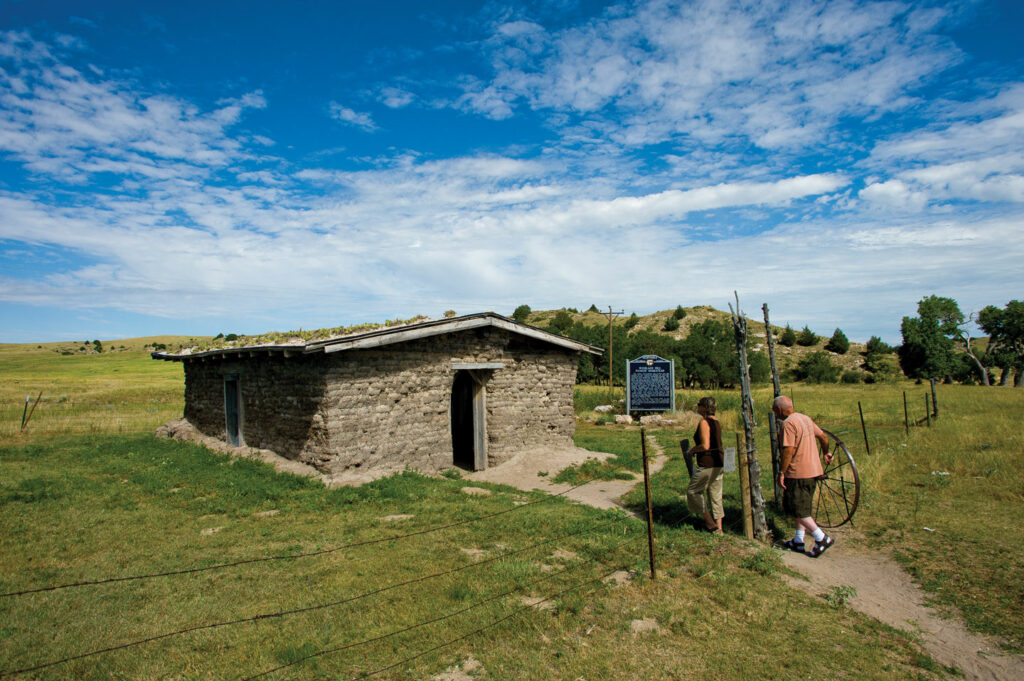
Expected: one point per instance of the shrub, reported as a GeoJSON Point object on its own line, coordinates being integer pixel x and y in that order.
{"type": "Point", "coordinates": [521, 313]}
{"type": "Point", "coordinates": [231, 337]}
{"type": "Point", "coordinates": [788, 337]}
{"type": "Point", "coordinates": [883, 368]}
{"type": "Point", "coordinates": [852, 376]}
{"type": "Point", "coordinates": [680, 313]}
{"type": "Point", "coordinates": [632, 321]}
{"type": "Point", "coordinates": [561, 322]}
{"type": "Point", "coordinates": [671, 324]}
{"type": "Point", "coordinates": [838, 344]}
{"type": "Point", "coordinates": [807, 338]}
{"type": "Point", "coordinates": [876, 346]}
{"type": "Point", "coordinates": [449, 313]}
{"type": "Point", "coordinates": [593, 308]}
{"type": "Point", "coordinates": [816, 367]}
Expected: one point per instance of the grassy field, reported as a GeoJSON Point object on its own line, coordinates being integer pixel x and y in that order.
{"type": "Point", "coordinates": [957, 478]}
{"type": "Point", "coordinates": [86, 493]}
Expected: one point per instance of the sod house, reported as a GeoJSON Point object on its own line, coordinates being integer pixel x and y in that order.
{"type": "Point", "coordinates": [466, 391]}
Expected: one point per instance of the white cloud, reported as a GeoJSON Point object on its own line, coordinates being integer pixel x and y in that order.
{"type": "Point", "coordinates": [779, 73]}
{"type": "Point", "coordinates": [363, 121]}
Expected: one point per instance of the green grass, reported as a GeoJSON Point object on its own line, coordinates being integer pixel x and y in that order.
{"type": "Point", "coordinates": [90, 494]}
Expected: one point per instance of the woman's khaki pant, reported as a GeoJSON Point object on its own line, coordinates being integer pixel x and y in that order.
{"type": "Point", "coordinates": [704, 495]}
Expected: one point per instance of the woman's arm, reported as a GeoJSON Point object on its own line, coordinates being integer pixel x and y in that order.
{"type": "Point", "coordinates": [704, 436]}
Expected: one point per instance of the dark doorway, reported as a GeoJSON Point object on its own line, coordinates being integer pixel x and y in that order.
{"type": "Point", "coordinates": [231, 410]}
{"type": "Point", "coordinates": [462, 420]}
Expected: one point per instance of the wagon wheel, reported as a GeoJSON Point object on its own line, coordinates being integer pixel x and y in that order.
{"type": "Point", "coordinates": [839, 488]}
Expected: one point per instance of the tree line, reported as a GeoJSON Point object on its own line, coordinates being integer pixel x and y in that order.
{"type": "Point", "coordinates": [936, 344]}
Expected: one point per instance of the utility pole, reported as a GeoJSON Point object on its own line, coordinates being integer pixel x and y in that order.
{"type": "Point", "coordinates": [611, 355]}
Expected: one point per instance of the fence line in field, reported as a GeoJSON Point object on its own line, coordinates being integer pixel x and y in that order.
{"type": "Point", "coordinates": [424, 623]}
{"type": "Point", "coordinates": [336, 603]}
{"type": "Point", "coordinates": [291, 556]}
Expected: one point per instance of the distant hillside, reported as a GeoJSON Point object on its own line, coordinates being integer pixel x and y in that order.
{"type": "Point", "coordinates": [86, 347]}
{"type": "Point", "coordinates": [786, 357]}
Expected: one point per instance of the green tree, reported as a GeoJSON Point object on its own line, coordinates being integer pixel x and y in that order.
{"type": "Point", "coordinates": [593, 308]}
{"type": "Point", "coordinates": [562, 321]}
{"type": "Point", "coordinates": [522, 313]}
{"type": "Point", "coordinates": [817, 367]}
{"type": "Point", "coordinates": [1005, 329]}
{"type": "Point", "coordinates": [671, 324]}
{"type": "Point", "coordinates": [708, 355]}
{"type": "Point", "coordinates": [788, 337]}
{"type": "Point", "coordinates": [632, 321]}
{"type": "Point", "coordinates": [838, 344]}
{"type": "Point", "coordinates": [928, 350]}
{"type": "Point", "coordinates": [807, 338]}
{"type": "Point", "coordinates": [680, 313]}
{"type": "Point", "coordinates": [875, 346]}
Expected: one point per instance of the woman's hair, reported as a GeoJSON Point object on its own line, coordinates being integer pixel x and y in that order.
{"type": "Point", "coordinates": [708, 403]}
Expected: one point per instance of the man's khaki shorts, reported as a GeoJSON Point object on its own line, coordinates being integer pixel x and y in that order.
{"type": "Point", "coordinates": [798, 496]}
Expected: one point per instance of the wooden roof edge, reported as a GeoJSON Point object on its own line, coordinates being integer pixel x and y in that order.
{"type": "Point", "coordinates": [389, 336]}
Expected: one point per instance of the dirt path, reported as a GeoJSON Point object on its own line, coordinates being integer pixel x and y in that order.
{"type": "Point", "coordinates": [883, 590]}
{"type": "Point", "coordinates": [524, 472]}
{"type": "Point", "coordinates": [888, 594]}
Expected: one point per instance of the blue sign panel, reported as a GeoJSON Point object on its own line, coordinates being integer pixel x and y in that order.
{"type": "Point", "coordinates": [651, 384]}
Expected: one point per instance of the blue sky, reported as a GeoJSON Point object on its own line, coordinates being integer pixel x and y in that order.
{"type": "Point", "coordinates": [205, 167]}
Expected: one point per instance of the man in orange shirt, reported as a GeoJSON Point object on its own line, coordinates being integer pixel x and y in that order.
{"type": "Point", "coordinates": [799, 472]}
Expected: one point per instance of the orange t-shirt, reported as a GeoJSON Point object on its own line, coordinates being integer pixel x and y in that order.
{"type": "Point", "coordinates": [799, 431]}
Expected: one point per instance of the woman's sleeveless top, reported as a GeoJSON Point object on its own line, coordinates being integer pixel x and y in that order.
{"type": "Point", "coordinates": [713, 457]}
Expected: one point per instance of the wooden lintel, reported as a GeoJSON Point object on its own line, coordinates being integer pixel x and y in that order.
{"type": "Point", "coordinates": [471, 366]}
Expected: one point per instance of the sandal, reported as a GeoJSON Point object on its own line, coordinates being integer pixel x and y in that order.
{"type": "Point", "coordinates": [791, 545]}
{"type": "Point", "coordinates": [821, 546]}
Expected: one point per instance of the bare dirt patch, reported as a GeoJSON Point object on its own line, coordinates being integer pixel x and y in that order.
{"type": "Point", "coordinates": [533, 470]}
{"type": "Point", "coordinates": [887, 593]}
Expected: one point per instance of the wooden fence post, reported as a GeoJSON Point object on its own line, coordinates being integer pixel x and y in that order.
{"type": "Point", "coordinates": [741, 466]}
{"type": "Point", "coordinates": [739, 323]}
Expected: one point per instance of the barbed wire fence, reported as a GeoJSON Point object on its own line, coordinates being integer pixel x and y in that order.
{"type": "Point", "coordinates": [620, 519]}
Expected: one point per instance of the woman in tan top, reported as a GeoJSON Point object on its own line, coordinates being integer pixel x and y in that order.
{"type": "Point", "coordinates": [704, 495]}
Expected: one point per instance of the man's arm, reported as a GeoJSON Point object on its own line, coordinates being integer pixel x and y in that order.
{"type": "Point", "coordinates": [822, 439]}
{"type": "Point", "coordinates": [787, 456]}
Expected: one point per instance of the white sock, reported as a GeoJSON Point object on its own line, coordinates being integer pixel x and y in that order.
{"type": "Point", "coordinates": [798, 537]}
{"type": "Point", "coordinates": [819, 534]}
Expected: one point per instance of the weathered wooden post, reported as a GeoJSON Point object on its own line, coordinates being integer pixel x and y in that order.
{"type": "Point", "coordinates": [772, 432]}
{"type": "Point", "coordinates": [741, 466]}
{"type": "Point", "coordinates": [739, 323]}
{"type": "Point", "coordinates": [935, 399]}
{"type": "Point", "coordinates": [863, 429]}
{"type": "Point", "coordinates": [647, 491]}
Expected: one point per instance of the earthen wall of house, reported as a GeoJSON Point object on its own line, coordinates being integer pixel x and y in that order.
{"type": "Point", "coordinates": [390, 406]}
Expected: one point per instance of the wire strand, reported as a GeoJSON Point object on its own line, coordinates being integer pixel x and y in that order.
{"type": "Point", "coordinates": [283, 613]}
{"type": "Point", "coordinates": [382, 637]}
{"type": "Point", "coordinates": [293, 556]}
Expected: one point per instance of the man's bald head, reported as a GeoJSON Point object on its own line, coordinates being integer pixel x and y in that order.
{"type": "Point", "coordinates": [783, 405]}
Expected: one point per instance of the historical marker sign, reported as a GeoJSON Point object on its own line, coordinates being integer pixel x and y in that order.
{"type": "Point", "coordinates": [651, 384]}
